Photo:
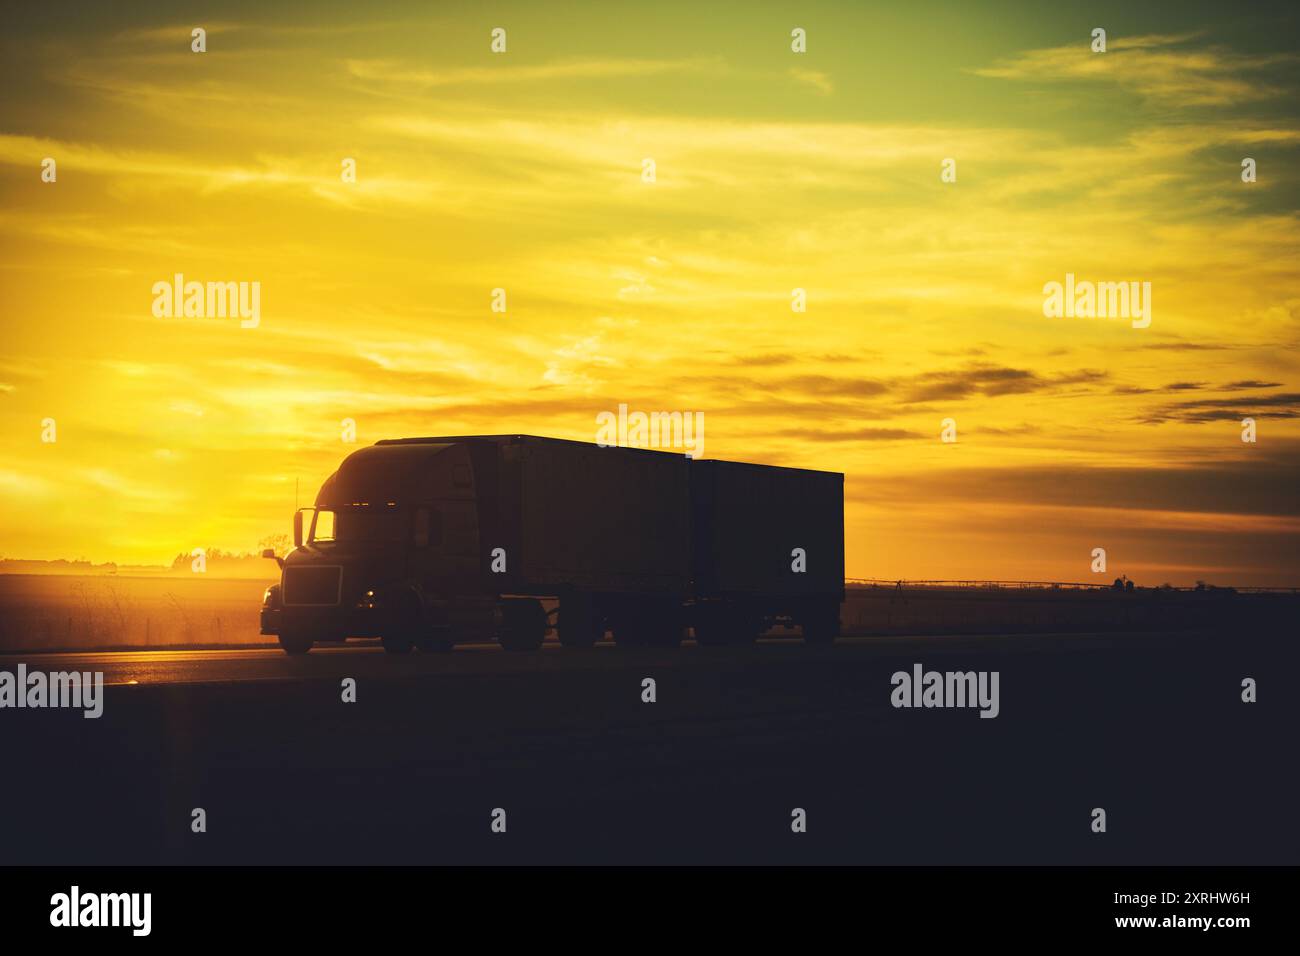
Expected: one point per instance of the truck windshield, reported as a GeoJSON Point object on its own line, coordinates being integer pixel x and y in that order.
{"type": "Point", "coordinates": [361, 524]}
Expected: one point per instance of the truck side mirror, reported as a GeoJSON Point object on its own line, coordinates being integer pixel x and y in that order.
{"type": "Point", "coordinates": [270, 553]}
{"type": "Point", "coordinates": [297, 529]}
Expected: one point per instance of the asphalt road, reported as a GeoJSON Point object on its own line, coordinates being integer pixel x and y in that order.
{"type": "Point", "coordinates": [357, 658]}
{"type": "Point", "coordinates": [1149, 727]}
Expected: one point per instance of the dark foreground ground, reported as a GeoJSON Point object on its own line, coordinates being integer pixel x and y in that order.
{"type": "Point", "coordinates": [1150, 727]}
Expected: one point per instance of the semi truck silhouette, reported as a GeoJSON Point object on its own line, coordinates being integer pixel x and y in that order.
{"type": "Point", "coordinates": [426, 542]}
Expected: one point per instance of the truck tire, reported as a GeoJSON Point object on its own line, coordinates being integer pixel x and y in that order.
{"type": "Point", "coordinates": [523, 624]}
{"type": "Point", "coordinates": [631, 634]}
{"type": "Point", "coordinates": [295, 641]}
{"type": "Point", "coordinates": [726, 627]}
{"type": "Point", "coordinates": [579, 622]}
{"type": "Point", "coordinates": [397, 641]}
{"type": "Point", "coordinates": [710, 634]}
{"type": "Point", "coordinates": [821, 625]}
{"type": "Point", "coordinates": [650, 626]}
{"type": "Point", "coordinates": [711, 626]}
{"type": "Point", "coordinates": [403, 629]}
{"type": "Point", "coordinates": [749, 623]}
{"type": "Point", "coordinates": [668, 633]}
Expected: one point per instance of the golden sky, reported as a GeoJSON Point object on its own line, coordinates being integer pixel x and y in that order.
{"type": "Point", "coordinates": [774, 171]}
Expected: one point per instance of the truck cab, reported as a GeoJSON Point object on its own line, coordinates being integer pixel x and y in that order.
{"type": "Point", "coordinates": [391, 541]}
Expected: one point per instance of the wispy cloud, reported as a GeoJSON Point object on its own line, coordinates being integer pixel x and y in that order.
{"type": "Point", "coordinates": [1282, 405]}
{"type": "Point", "coordinates": [1165, 67]}
{"type": "Point", "coordinates": [816, 79]}
{"type": "Point", "coordinates": [404, 74]}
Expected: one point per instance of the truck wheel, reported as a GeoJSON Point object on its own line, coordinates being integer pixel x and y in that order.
{"type": "Point", "coordinates": [631, 634]}
{"type": "Point", "coordinates": [669, 636]}
{"type": "Point", "coordinates": [710, 628]}
{"type": "Point", "coordinates": [579, 622]}
{"type": "Point", "coordinates": [398, 641]}
{"type": "Point", "coordinates": [523, 624]}
{"type": "Point", "coordinates": [401, 632]}
{"type": "Point", "coordinates": [295, 642]}
{"type": "Point", "coordinates": [650, 627]}
{"type": "Point", "coordinates": [709, 635]}
{"type": "Point", "coordinates": [822, 625]}
{"type": "Point", "coordinates": [721, 628]}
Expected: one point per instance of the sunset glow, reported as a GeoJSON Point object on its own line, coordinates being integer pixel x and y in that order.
{"type": "Point", "coordinates": [774, 171]}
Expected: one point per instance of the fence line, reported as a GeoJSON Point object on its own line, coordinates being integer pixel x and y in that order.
{"type": "Point", "coordinates": [1049, 585]}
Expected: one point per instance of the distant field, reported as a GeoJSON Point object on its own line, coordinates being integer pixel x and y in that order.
{"type": "Point", "coordinates": [1014, 610]}
{"type": "Point", "coordinates": [58, 611]}
{"type": "Point", "coordinates": [40, 612]}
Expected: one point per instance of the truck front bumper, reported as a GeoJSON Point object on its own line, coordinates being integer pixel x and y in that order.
{"type": "Point", "coordinates": [323, 621]}
{"type": "Point", "coordinates": [271, 620]}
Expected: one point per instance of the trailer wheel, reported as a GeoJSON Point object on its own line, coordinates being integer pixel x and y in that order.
{"type": "Point", "coordinates": [821, 625]}
{"type": "Point", "coordinates": [668, 633]}
{"type": "Point", "coordinates": [295, 641]}
{"type": "Point", "coordinates": [523, 624]}
{"type": "Point", "coordinates": [579, 622]}
{"type": "Point", "coordinates": [631, 634]}
{"type": "Point", "coordinates": [710, 627]}
{"type": "Point", "coordinates": [709, 634]}
{"type": "Point", "coordinates": [397, 641]}
{"type": "Point", "coordinates": [650, 627]}
{"type": "Point", "coordinates": [721, 627]}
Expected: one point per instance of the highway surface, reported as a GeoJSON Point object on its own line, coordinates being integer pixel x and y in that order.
{"type": "Point", "coordinates": [367, 657]}
{"type": "Point", "coordinates": [1151, 727]}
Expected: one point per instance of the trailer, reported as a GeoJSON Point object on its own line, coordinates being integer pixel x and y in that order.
{"type": "Point", "coordinates": [428, 542]}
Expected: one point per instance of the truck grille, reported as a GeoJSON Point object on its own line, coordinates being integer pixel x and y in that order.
{"type": "Point", "coordinates": [312, 585]}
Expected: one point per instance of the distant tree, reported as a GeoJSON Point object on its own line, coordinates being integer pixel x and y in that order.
{"type": "Point", "coordinates": [211, 555]}
{"type": "Point", "coordinates": [279, 543]}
